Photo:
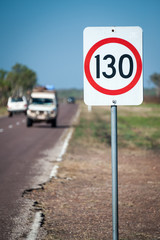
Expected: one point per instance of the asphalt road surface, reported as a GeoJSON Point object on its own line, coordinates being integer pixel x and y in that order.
{"type": "Point", "coordinates": [20, 149]}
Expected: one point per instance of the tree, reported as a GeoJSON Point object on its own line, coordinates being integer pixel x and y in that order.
{"type": "Point", "coordinates": [21, 79]}
{"type": "Point", "coordinates": [155, 78]}
{"type": "Point", "coordinates": [4, 87]}
{"type": "Point", "coordinates": [16, 82]}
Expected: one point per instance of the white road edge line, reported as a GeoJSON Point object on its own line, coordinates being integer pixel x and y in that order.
{"type": "Point", "coordinates": [35, 226]}
{"type": "Point", "coordinates": [38, 216]}
{"type": "Point", "coordinates": [63, 150]}
{"type": "Point", "coordinates": [54, 171]}
{"type": "Point", "coordinates": [65, 145]}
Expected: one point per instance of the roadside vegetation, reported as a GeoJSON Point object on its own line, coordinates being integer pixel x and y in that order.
{"type": "Point", "coordinates": [73, 92]}
{"type": "Point", "coordinates": [3, 111]}
{"type": "Point", "coordinates": [138, 127]}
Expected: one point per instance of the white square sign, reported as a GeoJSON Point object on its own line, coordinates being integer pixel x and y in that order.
{"type": "Point", "coordinates": [113, 73]}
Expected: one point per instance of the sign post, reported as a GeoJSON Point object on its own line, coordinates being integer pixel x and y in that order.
{"type": "Point", "coordinates": [113, 76]}
{"type": "Point", "coordinates": [114, 172]}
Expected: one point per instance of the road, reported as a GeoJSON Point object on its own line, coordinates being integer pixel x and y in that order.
{"type": "Point", "coordinates": [20, 151]}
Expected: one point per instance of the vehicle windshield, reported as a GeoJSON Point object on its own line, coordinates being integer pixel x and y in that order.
{"type": "Point", "coordinates": [18, 99]}
{"type": "Point", "coordinates": [42, 101]}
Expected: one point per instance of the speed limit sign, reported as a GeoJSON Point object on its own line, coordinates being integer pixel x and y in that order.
{"type": "Point", "coordinates": [113, 66]}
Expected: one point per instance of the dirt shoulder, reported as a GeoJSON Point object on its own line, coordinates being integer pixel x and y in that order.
{"type": "Point", "coordinates": [78, 203]}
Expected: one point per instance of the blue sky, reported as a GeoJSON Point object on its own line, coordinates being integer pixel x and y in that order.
{"type": "Point", "coordinates": [47, 35]}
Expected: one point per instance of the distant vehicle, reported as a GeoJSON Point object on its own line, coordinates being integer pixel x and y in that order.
{"type": "Point", "coordinates": [71, 100]}
{"type": "Point", "coordinates": [43, 106]}
{"type": "Point", "coordinates": [16, 105]}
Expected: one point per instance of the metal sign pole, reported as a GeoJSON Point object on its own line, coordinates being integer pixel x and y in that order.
{"type": "Point", "coordinates": [114, 172]}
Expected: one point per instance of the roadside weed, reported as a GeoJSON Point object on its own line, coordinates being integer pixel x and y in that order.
{"type": "Point", "coordinates": [137, 126]}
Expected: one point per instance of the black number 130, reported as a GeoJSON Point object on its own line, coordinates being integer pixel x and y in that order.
{"type": "Point", "coordinates": [111, 65]}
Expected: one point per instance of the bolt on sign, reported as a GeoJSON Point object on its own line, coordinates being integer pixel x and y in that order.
{"type": "Point", "coordinates": [113, 66]}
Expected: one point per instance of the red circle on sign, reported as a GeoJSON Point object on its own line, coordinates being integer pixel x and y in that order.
{"type": "Point", "coordinates": [109, 91]}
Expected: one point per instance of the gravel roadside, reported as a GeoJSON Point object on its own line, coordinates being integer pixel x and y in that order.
{"type": "Point", "coordinates": [77, 204]}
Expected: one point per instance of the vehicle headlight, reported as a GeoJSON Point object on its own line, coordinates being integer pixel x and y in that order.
{"type": "Point", "coordinates": [30, 111]}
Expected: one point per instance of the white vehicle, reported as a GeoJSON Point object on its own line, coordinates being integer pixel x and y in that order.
{"type": "Point", "coordinates": [16, 105]}
{"type": "Point", "coordinates": [43, 107]}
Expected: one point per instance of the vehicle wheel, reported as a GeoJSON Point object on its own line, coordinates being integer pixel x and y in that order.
{"type": "Point", "coordinates": [54, 123]}
{"type": "Point", "coordinates": [29, 122]}
{"type": "Point", "coordinates": [10, 114]}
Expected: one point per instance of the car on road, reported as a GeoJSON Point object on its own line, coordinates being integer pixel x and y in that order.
{"type": "Point", "coordinates": [71, 100]}
{"type": "Point", "coordinates": [43, 106]}
{"type": "Point", "coordinates": [16, 105]}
